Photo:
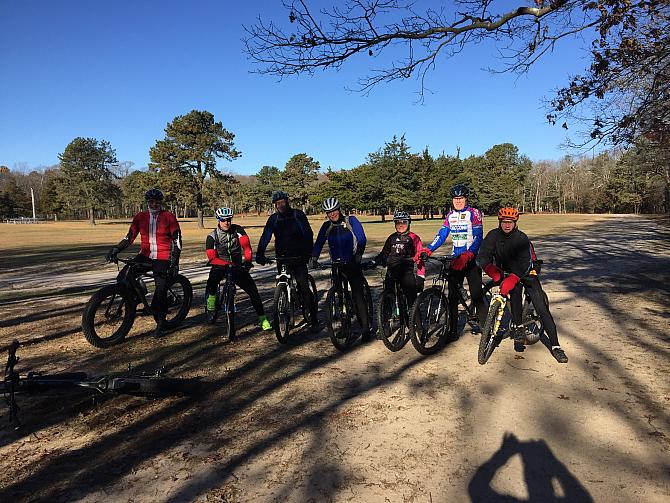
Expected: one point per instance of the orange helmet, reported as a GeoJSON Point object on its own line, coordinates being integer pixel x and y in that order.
{"type": "Point", "coordinates": [508, 214]}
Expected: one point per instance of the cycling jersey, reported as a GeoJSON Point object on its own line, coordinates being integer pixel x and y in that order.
{"type": "Point", "coordinates": [402, 249]}
{"type": "Point", "coordinates": [345, 238]}
{"type": "Point", "coordinates": [512, 252]}
{"type": "Point", "coordinates": [228, 247]}
{"type": "Point", "coordinates": [466, 231]}
{"type": "Point", "coordinates": [160, 235]}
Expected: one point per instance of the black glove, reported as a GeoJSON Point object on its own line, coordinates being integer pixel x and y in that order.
{"type": "Point", "coordinates": [260, 259]}
{"type": "Point", "coordinates": [357, 258]}
{"type": "Point", "coordinates": [111, 254]}
{"type": "Point", "coordinates": [247, 266]}
{"type": "Point", "coordinates": [423, 256]}
{"type": "Point", "coordinates": [313, 262]}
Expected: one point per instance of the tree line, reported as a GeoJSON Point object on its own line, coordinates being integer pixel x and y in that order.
{"type": "Point", "coordinates": [90, 183]}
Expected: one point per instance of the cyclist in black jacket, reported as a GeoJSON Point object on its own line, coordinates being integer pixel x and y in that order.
{"type": "Point", "coordinates": [508, 250]}
{"type": "Point", "coordinates": [294, 240]}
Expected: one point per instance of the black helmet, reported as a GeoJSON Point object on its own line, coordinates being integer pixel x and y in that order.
{"type": "Point", "coordinates": [402, 215]}
{"type": "Point", "coordinates": [460, 190]}
{"type": "Point", "coordinates": [153, 194]}
{"type": "Point", "coordinates": [279, 194]}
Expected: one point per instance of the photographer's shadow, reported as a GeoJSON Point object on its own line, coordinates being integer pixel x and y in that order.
{"type": "Point", "coordinates": [546, 478]}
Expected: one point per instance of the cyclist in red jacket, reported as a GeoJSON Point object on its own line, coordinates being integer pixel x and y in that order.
{"type": "Point", "coordinates": [160, 247]}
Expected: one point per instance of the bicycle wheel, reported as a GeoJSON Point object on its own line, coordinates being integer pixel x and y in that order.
{"type": "Point", "coordinates": [393, 331]}
{"type": "Point", "coordinates": [339, 318]}
{"type": "Point", "coordinates": [152, 385]}
{"type": "Point", "coordinates": [367, 297]}
{"type": "Point", "coordinates": [229, 303]}
{"type": "Point", "coordinates": [282, 313]}
{"type": "Point", "coordinates": [489, 339]}
{"type": "Point", "coordinates": [430, 321]}
{"type": "Point", "coordinates": [108, 316]}
{"type": "Point", "coordinates": [532, 322]}
{"type": "Point", "coordinates": [179, 297]}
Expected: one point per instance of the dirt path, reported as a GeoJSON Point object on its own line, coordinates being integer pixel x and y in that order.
{"type": "Point", "coordinates": [305, 423]}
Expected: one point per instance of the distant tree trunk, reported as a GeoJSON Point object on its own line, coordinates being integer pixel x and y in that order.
{"type": "Point", "coordinates": [91, 216]}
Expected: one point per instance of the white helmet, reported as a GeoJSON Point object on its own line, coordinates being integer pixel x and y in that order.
{"type": "Point", "coordinates": [223, 213]}
{"type": "Point", "coordinates": [330, 204]}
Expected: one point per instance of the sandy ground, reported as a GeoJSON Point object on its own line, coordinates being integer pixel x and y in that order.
{"type": "Point", "coordinates": [303, 422]}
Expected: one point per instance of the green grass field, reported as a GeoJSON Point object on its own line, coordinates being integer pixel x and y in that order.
{"type": "Point", "coordinates": [63, 245]}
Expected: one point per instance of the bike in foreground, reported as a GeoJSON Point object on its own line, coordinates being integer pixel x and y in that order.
{"type": "Point", "coordinates": [147, 385]}
{"type": "Point", "coordinates": [110, 312]}
{"type": "Point", "coordinates": [499, 326]}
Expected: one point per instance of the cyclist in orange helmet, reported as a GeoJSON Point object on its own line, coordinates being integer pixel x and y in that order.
{"type": "Point", "coordinates": [507, 255]}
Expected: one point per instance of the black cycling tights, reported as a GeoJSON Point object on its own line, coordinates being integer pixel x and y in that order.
{"type": "Point", "coordinates": [242, 279]}
{"type": "Point", "coordinates": [534, 289]}
{"type": "Point", "coordinates": [159, 267]}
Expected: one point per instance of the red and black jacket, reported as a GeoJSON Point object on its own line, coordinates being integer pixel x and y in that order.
{"type": "Point", "coordinates": [159, 233]}
{"type": "Point", "coordinates": [228, 247]}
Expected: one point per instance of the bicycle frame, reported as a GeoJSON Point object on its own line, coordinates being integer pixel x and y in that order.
{"type": "Point", "coordinates": [442, 282]}
{"type": "Point", "coordinates": [36, 381]}
{"type": "Point", "coordinates": [501, 313]}
{"type": "Point", "coordinates": [226, 287]}
{"type": "Point", "coordinates": [133, 280]}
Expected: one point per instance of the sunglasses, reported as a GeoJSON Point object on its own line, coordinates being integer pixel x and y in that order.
{"type": "Point", "coordinates": [226, 220]}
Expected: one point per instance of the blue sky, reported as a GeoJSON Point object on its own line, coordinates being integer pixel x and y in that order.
{"type": "Point", "coordinates": [121, 70]}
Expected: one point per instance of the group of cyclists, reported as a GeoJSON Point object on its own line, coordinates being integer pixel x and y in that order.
{"type": "Point", "coordinates": [506, 255]}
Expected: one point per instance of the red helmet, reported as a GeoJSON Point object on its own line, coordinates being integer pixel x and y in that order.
{"type": "Point", "coordinates": [508, 214]}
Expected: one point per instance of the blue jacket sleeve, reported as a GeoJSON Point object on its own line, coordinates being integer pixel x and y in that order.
{"type": "Point", "coordinates": [320, 240]}
{"type": "Point", "coordinates": [358, 231]}
{"type": "Point", "coordinates": [440, 237]}
{"type": "Point", "coordinates": [267, 235]}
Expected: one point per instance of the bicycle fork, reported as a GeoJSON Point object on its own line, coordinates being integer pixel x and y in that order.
{"type": "Point", "coordinates": [499, 314]}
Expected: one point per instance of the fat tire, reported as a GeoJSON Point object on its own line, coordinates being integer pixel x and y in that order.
{"type": "Point", "coordinates": [153, 386]}
{"type": "Point", "coordinates": [416, 326]}
{"type": "Point", "coordinates": [487, 341]}
{"type": "Point", "coordinates": [186, 300]}
{"type": "Point", "coordinates": [282, 332]}
{"type": "Point", "coordinates": [95, 302]}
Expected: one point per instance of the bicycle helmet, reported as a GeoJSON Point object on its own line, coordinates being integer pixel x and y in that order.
{"type": "Point", "coordinates": [331, 204]}
{"type": "Point", "coordinates": [278, 195]}
{"type": "Point", "coordinates": [153, 194]}
{"type": "Point", "coordinates": [223, 213]}
{"type": "Point", "coordinates": [402, 215]}
{"type": "Point", "coordinates": [459, 190]}
{"type": "Point", "coordinates": [508, 214]}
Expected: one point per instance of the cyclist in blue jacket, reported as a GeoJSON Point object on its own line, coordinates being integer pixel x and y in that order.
{"type": "Point", "coordinates": [346, 244]}
{"type": "Point", "coordinates": [464, 223]}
